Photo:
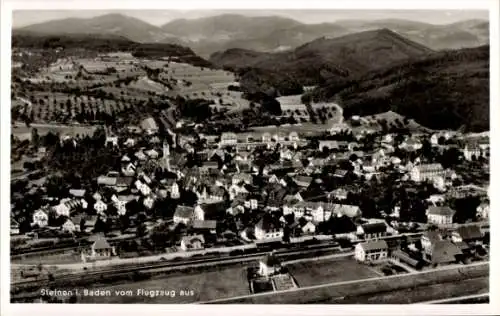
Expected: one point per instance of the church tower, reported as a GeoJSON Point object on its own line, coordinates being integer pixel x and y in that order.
{"type": "Point", "coordinates": [166, 157]}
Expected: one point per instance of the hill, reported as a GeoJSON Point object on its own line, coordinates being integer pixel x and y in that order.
{"type": "Point", "coordinates": [446, 90]}
{"type": "Point", "coordinates": [273, 33]}
{"type": "Point", "coordinates": [265, 33]}
{"type": "Point", "coordinates": [105, 43]}
{"type": "Point", "coordinates": [113, 24]}
{"type": "Point", "coordinates": [226, 27]}
{"type": "Point", "coordinates": [321, 60]}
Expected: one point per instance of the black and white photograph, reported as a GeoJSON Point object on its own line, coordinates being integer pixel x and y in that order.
{"type": "Point", "coordinates": [248, 156]}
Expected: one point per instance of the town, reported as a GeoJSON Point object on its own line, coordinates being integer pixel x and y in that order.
{"type": "Point", "coordinates": [155, 171]}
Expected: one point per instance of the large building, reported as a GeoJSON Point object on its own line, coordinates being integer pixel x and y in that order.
{"type": "Point", "coordinates": [440, 215]}
{"type": "Point", "coordinates": [427, 172]}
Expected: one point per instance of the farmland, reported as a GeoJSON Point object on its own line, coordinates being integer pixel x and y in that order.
{"type": "Point", "coordinates": [22, 132]}
{"type": "Point", "coordinates": [328, 271]}
{"type": "Point", "coordinates": [226, 282]}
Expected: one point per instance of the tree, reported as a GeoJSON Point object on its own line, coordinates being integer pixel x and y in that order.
{"type": "Point", "coordinates": [141, 230]}
{"type": "Point", "coordinates": [35, 138]}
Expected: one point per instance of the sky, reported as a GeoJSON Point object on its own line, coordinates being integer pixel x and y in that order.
{"type": "Point", "coordinates": [159, 17]}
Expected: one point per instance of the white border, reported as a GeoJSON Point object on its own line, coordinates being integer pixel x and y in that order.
{"type": "Point", "coordinates": [31, 309]}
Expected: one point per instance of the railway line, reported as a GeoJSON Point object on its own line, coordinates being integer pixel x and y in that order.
{"type": "Point", "coordinates": [172, 264]}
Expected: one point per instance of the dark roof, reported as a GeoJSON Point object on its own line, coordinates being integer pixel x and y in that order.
{"type": "Point", "coordinates": [444, 251]}
{"type": "Point", "coordinates": [371, 228]}
{"type": "Point", "coordinates": [374, 245]}
{"type": "Point", "coordinates": [101, 243]}
{"type": "Point", "coordinates": [271, 260]}
{"type": "Point", "coordinates": [124, 181]}
{"type": "Point", "coordinates": [469, 232]}
{"type": "Point", "coordinates": [403, 256]}
{"type": "Point", "coordinates": [340, 173]}
{"type": "Point", "coordinates": [433, 235]}
{"type": "Point", "coordinates": [441, 210]}
{"type": "Point", "coordinates": [268, 223]}
{"type": "Point", "coordinates": [213, 209]}
{"type": "Point", "coordinates": [184, 211]}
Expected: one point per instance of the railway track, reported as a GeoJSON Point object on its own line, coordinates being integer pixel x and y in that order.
{"type": "Point", "coordinates": [144, 267]}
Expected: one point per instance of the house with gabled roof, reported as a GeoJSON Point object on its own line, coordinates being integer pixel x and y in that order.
{"type": "Point", "coordinates": [372, 230]}
{"type": "Point", "coordinates": [69, 226]}
{"type": "Point", "coordinates": [183, 214]}
{"type": "Point", "coordinates": [471, 234]}
{"type": "Point", "coordinates": [268, 228]}
{"type": "Point", "coordinates": [14, 227]}
{"type": "Point", "coordinates": [195, 242]}
{"type": "Point", "coordinates": [443, 252]}
{"type": "Point", "coordinates": [101, 249]}
{"type": "Point", "coordinates": [269, 265]}
{"type": "Point", "coordinates": [440, 215]}
{"type": "Point", "coordinates": [371, 251]}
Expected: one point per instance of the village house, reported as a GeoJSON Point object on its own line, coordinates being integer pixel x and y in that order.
{"type": "Point", "coordinates": [309, 228]}
{"type": "Point", "coordinates": [100, 207]}
{"type": "Point", "coordinates": [101, 249]}
{"type": "Point", "coordinates": [149, 126]}
{"type": "Point", "coordinates": [195, 242]}
{"type": "Point", "coordinates": [143, 188]}
{"type": "Point", "coordinates": [371, 230]}
{"type": "Point", "coordinates": [209, 211]}
{"type": "Point", "coordinates": [268, 228]}
{"type": "Point", "coordinates": [111, 141]}
{"type": "Point", "coordinates": [14, 227]}
{"type": "Point", "coordinates": [149, 201]}
{"type": "Point", "coordinates": [67, 205]}
{"type": "Point", "coordinates": [77, 193]}
{"type": "Point", "coordinates": [140, 155]}
{"type": "Point", "coordinates": [130, 142]}
{"type": "Point", "coordinates": [470, 234]}
{"type": "Point", "coordinates": [483, 210]}
{"type": "Point", "coordinates": [426, 172]}
{"type": "Point", "coordinates": [183, 214]}
{"type": "Point", "coordinates": [269, 265]}
{"type": "Point", "coordinates": [204, 227]}
{"type": "Point", "coordinates": [474, 150]}
{"type": "Point", "coordinates": [440, 215]}
{"type": "Point", "coordinates": [411, 145]}
{"type": "Point", "coordinates": [69, 226]}
{"type": "Point", "coordinates": [371, 251]}
{"type": "Point", "coordinates": [121, 201]}
{"type": "Point", "coordinates": [251, 204]}
{"type": "Point", "coordinates": [442, 251]}
{"type": "Point", "coordinates": [128, 169]}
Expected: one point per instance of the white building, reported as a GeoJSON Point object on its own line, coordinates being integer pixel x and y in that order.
{"type": "Point", "coordinates": [371, 251]}
{"type": "Point", "coordinates": [269, 265]}
{"type": "Point", "coordinates": [41, 218]}
{"type": "Point", "coordinates": [440, 215]}
{"type": "Point", "coordinates": [100, 207]}
{"type": "Point", "coordinates": [427, 172]}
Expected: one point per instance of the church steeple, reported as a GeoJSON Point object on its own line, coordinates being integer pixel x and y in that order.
{"type": "Point", "coordinates": [166, 156]}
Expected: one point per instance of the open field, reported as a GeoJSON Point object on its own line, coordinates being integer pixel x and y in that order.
{"type": "Point", "coordinates": [145, 84]}
{"type": "Point", "coordinates": [23, 132]}
{"type": "Point", "coordinates": [61, 258]}
{"type": "Point", "coordinates": [328, 271]}
{"type": "Point", "coordinates": [392, 118]}
{"type": "Point", "coordinates": [226, 282]}
{"type": "Point", "coordinates": [423, 293]}
{"type": "Point", "coordinates": [335, 292]}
